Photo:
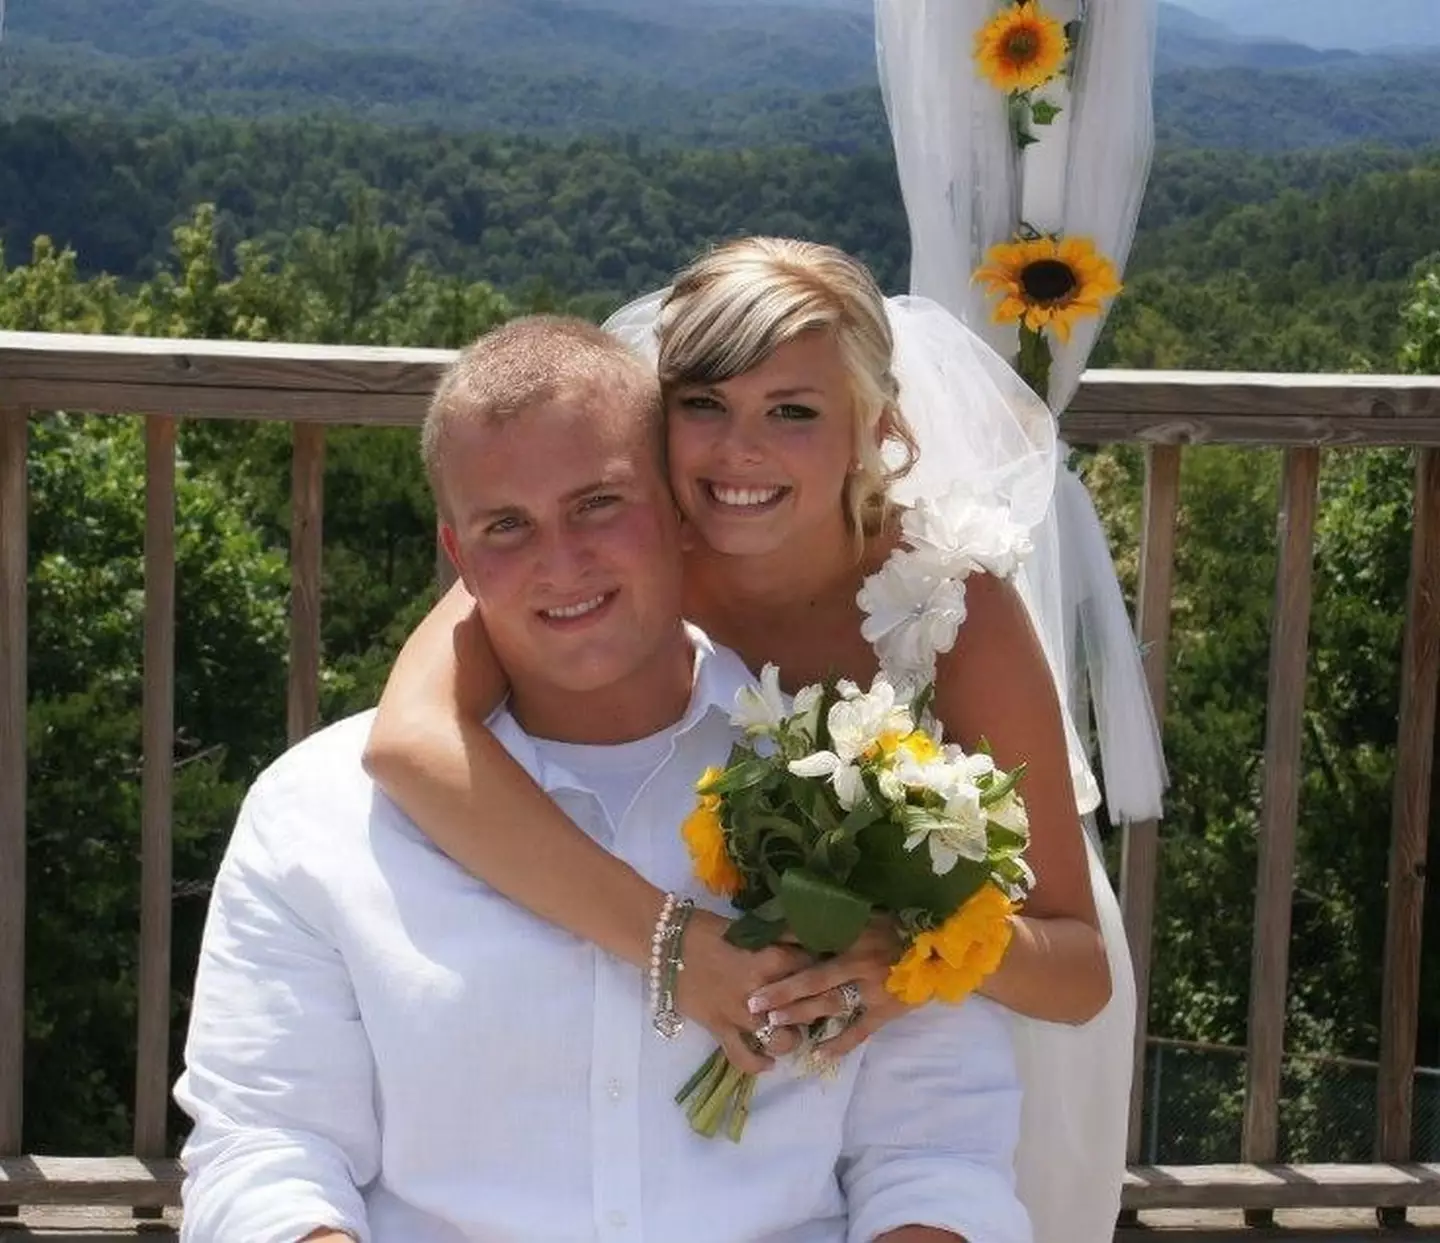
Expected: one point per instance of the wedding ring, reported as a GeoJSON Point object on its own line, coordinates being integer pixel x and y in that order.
{"type": "Point", "coordinates": [850, 998]}
{"type": "Point", "coordinates": [764, 1035]}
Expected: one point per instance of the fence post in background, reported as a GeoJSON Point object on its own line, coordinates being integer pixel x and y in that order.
{"type": "Point", "coordinates": [1275, 871]}
{"type": "Point", "coordinates": [1419, 673]}
{"type": "Point", "coordinates": [14, 555]}
{"type": "Point", "coordinates": [1140, 853]}
{"type": "Point", "coordinates": [307, 509]}
{"type": "Point", "coordinates": [152, 1065]}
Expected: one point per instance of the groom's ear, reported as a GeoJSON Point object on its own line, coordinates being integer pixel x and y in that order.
{"type": "Point", "coordinates": [450, 542]}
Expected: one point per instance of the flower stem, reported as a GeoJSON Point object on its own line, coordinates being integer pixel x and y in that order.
{"type": "Point", "coordinates": [740, 1111]}
{"type": "Point", "coordinates": [698, 1077]}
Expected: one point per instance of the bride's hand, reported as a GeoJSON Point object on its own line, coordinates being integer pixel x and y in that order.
{"type": "Point", "coordinates": [816, 992]}
{"type": "Point", "coordinates": [718, 980]}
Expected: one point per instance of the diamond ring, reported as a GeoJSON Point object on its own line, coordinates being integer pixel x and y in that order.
{"type": "Point", "coordinates": [850, 998]}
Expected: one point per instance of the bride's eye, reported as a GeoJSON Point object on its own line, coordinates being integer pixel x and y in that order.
{"type": "Point", "coordinates": [700, 403]}
{"type": "Point", "coordinates": [792, 413]}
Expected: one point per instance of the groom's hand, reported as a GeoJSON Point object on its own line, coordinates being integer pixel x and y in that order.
{"type": "Point", "coordinates": [717, 984]}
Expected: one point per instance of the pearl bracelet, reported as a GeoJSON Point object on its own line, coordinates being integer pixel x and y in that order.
{"type": "Point", "coordinates": [666, 964]}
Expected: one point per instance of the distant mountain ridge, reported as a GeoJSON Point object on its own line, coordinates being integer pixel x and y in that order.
{"type": "Point", "coordinates": [1354, 25]}
{"type": "Point", "coordinates": [737, 72]}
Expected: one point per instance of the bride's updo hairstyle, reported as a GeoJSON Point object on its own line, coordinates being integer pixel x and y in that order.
{"type": "Point", "coordinates": [733, 307]}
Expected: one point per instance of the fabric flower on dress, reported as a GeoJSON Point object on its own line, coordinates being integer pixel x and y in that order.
{"type": "Point", "coordinates": [914, 604]}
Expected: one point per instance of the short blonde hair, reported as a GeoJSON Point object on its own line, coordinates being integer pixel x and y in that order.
{"type": "Point", "coordinates": [730, 309]}
{"type": "Point", "coordinates": [528, 363]}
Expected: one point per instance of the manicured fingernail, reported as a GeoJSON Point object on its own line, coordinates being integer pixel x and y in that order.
{"type": "Point", "coordinates": [757, 1004]}
{"type": "Point", "coordinates": [781, 1018]}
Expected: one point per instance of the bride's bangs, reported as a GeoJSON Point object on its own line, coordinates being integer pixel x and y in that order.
{"type": "Point", "coordinates": [732, 325]}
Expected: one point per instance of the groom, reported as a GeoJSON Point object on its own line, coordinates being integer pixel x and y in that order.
{"type": "Point", "coordinates": [382, 1048]}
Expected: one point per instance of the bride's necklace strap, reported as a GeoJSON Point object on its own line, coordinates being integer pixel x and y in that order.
{"type": "Point", "coordinates": [914, 604]}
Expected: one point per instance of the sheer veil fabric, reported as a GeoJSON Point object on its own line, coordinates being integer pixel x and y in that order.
{"type": "Point", "coordinates": [966, 189]}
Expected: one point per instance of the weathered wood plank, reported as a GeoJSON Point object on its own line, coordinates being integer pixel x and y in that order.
{"type": "Point", "coordinates": [14, 548]}
{"type": "Point", "coordinates": [187, 363]}
{"type": "Point", "coordinates": [347, 384]}
{"type": "Point", "coordinates": [271, 405]}
{"type": "Point", "coordinates": [307, 507]}
{"type": "Point", "coordinates": [1270, 1187]}
{"type": "Point", "coordinates": [1419, 676]}
{"type": "Point", "coordinates": [1285, 702]}
{"type": "Point", "coordinates": [1239, 408]}
{"type": "Point", "coordinates": [130, 1181]}
{"type": "Point", "coordinates": [1140, 843]}
{"type": "Point", "coordinates": [152, 1067]}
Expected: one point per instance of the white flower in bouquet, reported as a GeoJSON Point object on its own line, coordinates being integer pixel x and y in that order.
{"type": "Point", "coordinates": [760, 710]}
{"type": "Point", "coordinates": [858, 725]}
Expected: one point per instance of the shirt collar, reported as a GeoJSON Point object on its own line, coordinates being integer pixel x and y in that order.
{"type": "Point", "coordinates": [717, 675]}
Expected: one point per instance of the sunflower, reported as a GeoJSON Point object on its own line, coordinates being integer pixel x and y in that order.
{"type": "Point", "coordinates": [950, 962]}
{"type": "Point", "coordinates": [1047, 283]}
{"type": "Point", "coordinates": [1021, 48]}
{"type": "Point", "coordinates": [704, 833]}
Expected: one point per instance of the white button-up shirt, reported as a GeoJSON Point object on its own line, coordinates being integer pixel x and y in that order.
{"type": "Point", "coordinates": [384, 1045]}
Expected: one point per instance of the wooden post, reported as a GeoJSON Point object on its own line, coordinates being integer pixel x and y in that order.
{"type": "Point", "coordinates": [307, 509]}
{"type": "Point", "coordinates": [1285, 704]}
{"type": "Point", "coordinates": [152, 1070]}
{"type": "Point", "coordinates": [1140, 848]}
{"type": "Point", "coordinates": [1419, 673]}
{"type": "Point", "coordinates": [14, 552]}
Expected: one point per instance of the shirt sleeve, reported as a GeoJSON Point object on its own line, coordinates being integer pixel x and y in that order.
{"type": "Point", "coordinates": [931, 1131]}
{"type": "Point", "coordinates": [279, 1075]}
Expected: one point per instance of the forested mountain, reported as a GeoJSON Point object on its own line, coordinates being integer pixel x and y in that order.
{"type": "Point", "coordinates": [765, 73]}
{"type": "Point", "coordinates": [1316, 239]}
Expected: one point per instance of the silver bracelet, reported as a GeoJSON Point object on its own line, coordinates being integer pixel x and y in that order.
{"type": "Point", "coordinates": [666, 964]}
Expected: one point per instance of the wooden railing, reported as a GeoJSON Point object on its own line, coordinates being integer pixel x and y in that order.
{"type": "Point", "coordinates": [310, 386]}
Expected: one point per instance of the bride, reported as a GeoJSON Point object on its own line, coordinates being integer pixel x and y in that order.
{"type": "Point", "coordinates": [802, 409]}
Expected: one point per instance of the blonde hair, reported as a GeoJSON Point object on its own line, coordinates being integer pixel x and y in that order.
{"type": "Point", "coordinates": [729, 311]}
{"type": "Point", "coordinates": [530, 362]}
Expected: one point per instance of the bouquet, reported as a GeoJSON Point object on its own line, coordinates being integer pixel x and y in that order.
{"type": "Point", "coordinates": [846, 804]}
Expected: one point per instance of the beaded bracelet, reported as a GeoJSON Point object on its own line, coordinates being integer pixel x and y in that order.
{"type": "Point", "coordinates": [666, 964]}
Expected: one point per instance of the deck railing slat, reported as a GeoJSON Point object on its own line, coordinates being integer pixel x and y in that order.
{"type": "Point", "coordinates": [307, 507]}
{"type": "Point", "coordinates": [1140, 855]}
{"type": "Point", "coordinates": [1285, 703]}
{"type": "Point", "coordinates": [1419, 675]}
{"type": "Point", "coordinates": [152, 1069]}
{"type": "Point", "coordinates": [14, 551]}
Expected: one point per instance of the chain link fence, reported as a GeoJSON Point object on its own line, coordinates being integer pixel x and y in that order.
{"type": "Point", "coordinates": [1195, 1095]}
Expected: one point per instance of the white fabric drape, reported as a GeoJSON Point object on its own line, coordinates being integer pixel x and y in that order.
{"type": "Point", "coordinates": [966, 188]}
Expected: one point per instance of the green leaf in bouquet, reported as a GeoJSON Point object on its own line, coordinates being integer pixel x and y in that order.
{"type": "Point", "coordinates": [824, 917]}
{"type": "Point", "coordinates": [742, 776]}
{"type": "Point", "coordinates": [997, 790]}
{"type": "Point", "coordinates": [1003, 839]}
{"type": "Point", "coordinates": [833, 856]}
{"type": "Point", "coordinates": [861, 816]}
{"type": "Point", "coordinates": [897, 879]}
{"type": "Point", "coordinates": [751, 932]}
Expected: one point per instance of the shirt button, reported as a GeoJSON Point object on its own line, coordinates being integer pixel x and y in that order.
{"type": "Point", "coordinates": [614, 1089]}
{"type": "Point", "coordinates": [616, 1218]}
